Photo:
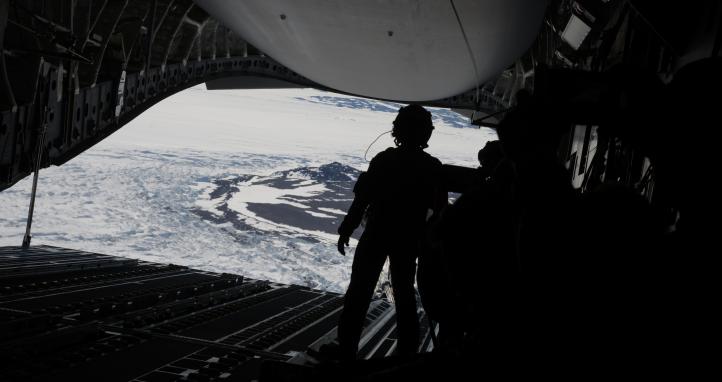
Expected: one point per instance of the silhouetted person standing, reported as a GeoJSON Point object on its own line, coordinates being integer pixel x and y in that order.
{"type": "Point", "coordinates": [470, 254]}
{"type": "Point", "coordinates": [397, 195]}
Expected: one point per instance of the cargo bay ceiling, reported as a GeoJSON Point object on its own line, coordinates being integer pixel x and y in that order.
{"type": "Point", "coordinates": [72, 72]}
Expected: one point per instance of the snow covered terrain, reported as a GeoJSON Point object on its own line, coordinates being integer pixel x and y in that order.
{"type": "Point", "coordinates": [243, 181]}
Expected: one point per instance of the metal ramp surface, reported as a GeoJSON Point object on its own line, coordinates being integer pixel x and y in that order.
{"type": "Point", "coordinates": [73, 315]}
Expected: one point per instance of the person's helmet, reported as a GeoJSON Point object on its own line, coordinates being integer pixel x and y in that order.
{"type": "Point", "coordinates": [412, 126]}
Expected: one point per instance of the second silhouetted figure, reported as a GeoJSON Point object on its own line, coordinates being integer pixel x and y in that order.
{"type": "Point", "coordinates": [398, 194]}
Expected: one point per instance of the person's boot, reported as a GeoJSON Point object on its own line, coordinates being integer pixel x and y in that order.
{"type": "Point", "coordinates": [332, 352]}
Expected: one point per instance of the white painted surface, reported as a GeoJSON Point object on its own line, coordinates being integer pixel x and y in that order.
{"type": "Point", "coordinates": [391, 49]}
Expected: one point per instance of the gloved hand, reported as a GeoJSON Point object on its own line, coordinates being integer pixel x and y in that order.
{"type": "Point", "coordinates": [342, 241]}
